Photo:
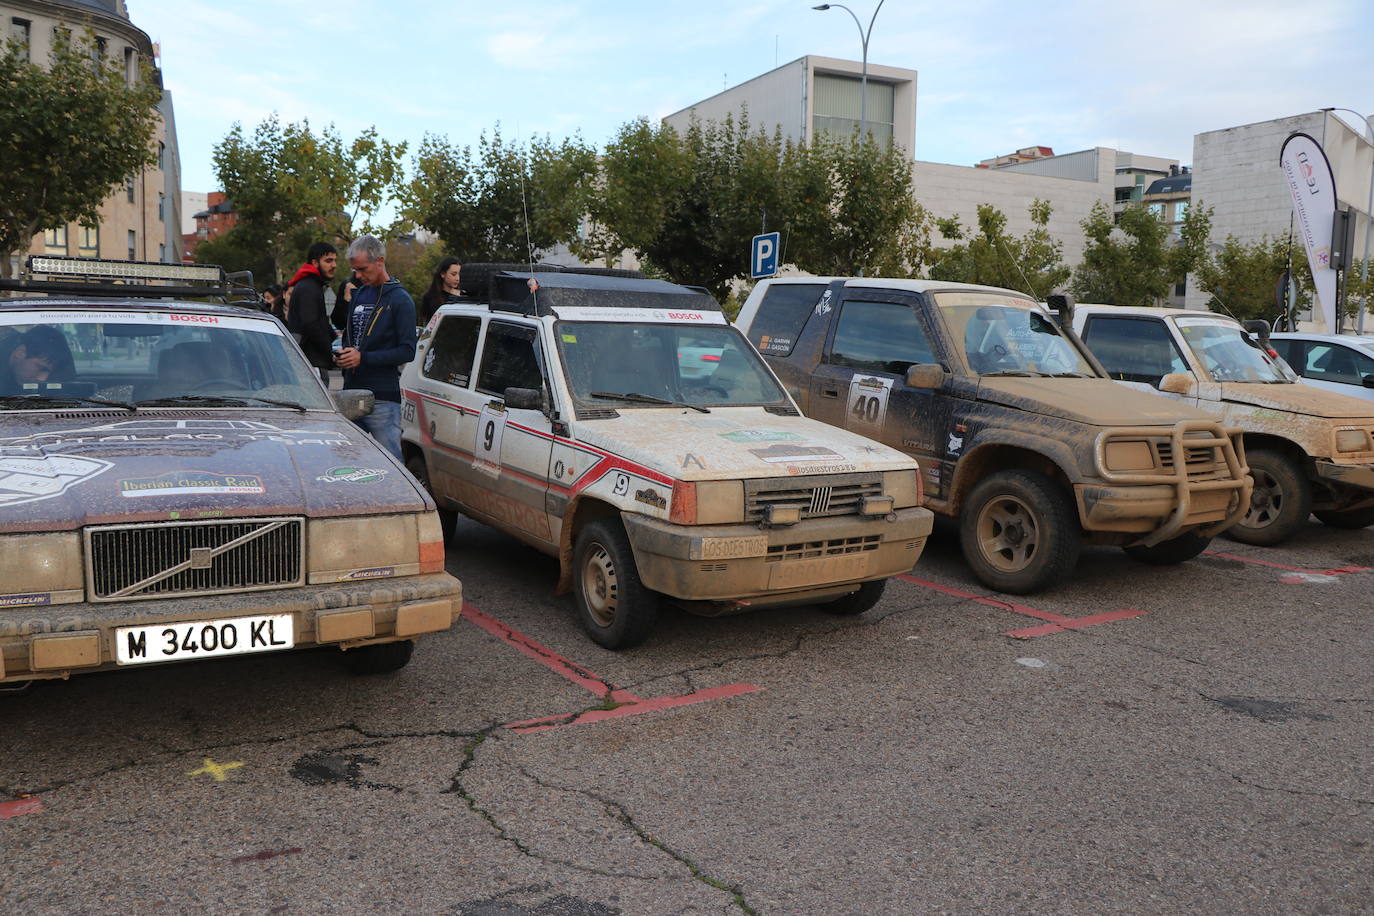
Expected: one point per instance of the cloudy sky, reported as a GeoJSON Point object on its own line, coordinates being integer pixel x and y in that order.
{"type": "Point", "coordinates": [993, 76]}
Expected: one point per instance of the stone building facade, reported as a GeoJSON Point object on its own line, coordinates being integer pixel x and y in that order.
{"type": "Point", "coordinates": [141, 220]}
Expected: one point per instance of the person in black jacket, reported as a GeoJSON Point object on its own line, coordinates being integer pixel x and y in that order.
{"type": "Point", "coordinates": [378, 341]}
{"type": "Point", "coordinates": [443, 289]}
{"type": "Point", "coordinates": [307, 316]}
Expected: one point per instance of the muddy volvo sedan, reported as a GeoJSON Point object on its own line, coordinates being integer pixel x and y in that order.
{"type": "Point", "coordinates": [176, 484]}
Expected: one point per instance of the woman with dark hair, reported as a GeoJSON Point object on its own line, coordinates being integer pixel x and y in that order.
{"type": "Point", "coordinates": [443, 288]}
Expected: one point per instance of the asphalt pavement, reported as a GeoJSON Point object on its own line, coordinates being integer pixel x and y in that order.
{"type": "Point", "coordinates": [1140, 740]}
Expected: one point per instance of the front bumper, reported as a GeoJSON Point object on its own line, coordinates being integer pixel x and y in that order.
{"type": "Point", "coordinates": [770, 565]}
{"type": "Point", "coordinates": [1355, 476]}
{"type": "Point", "coordinates": [1203, 487]}
{"type": "Point", "coordinates": [63, 639]}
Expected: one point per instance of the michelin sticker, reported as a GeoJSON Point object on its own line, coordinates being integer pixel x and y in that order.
{"type": "Point", "coordinates": [868, 402]}
{"type": "Point", "coordinates": [29, 479]}
{"type": "Point", "coordinates": [352, 475]}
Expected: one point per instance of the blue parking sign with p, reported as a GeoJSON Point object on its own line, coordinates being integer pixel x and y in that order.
{"type": "Point", "coordinates": [763, 257]}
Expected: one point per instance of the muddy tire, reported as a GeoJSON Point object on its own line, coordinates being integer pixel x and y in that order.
{"type": "Point", "coordinates": [1019, 532]}
{"type": "Point", "coordinates": [1347, 519]}
{"type": "Point", "coordinates": [855, 603]}
{"type": "Point", "coordinates": [448, 519]}
{"type": "Point", "coordinates": [1281, 501]}
{"type": "Point", "coordinates": [380, 658]}
{"type": "Point", "coordinates": [1179, 550]}
{"type": "Point", "coordinates": [613, 606]}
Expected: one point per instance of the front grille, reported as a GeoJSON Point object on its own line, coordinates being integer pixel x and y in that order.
{"type": "Point", "coordinates": [820, 496]}
{"type": "Point", "coordinates": [1200, 461]}
{"type": "Point", "coordinates": [171, 559]}
{"type": "Point", "coordinates": [810, 550]}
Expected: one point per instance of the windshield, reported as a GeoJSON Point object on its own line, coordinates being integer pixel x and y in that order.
{"type": "Point", "coordinates": [690, 364]}
{"type": "Point", "coordinates": [1226, 354]}
{"type": "Point", "coordinates": [1006, 336]}
{"type": "Point", "coordinates": [52, 358]}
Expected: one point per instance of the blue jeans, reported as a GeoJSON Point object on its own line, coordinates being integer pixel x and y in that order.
{"type": "Point", "coordinates": [384, 425]}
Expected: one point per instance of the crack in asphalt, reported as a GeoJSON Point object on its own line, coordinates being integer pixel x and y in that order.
{"type": "Point", "coordinates": [129, 764]}
{"type": "Point", "coordinates": [620, 813]}
{"type": "Point", "coordinates": [456, 787]}
{"type": "Point", "coordinates": [1307, 793]}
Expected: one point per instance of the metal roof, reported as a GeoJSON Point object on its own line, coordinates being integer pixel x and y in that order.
{"type": "Point", "coordinates": [510, 291]}
{"type": "Point", "coordinates": [1175, 184]}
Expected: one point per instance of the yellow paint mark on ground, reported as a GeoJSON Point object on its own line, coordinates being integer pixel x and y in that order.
{"type": "Point", "coordinates": [217, 770]}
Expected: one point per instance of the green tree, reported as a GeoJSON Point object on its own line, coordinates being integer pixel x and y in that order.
{"type": "Point", "coordinates": [289, 185]}
{"type": "Point", "coordinates": [1032, 263]}
{"type": "Point", "coordinates": [506, 202]}
{"type": "Point", "coordinates": [1126, 261]}
{"type": "Point", "coordinates": [237, 250]}
{"type": "Point", "coordinates": [1241, 279]}
{"type": "Point", "coordinates": [854, 208]}
{"type": "Point", "coordinates": [70, 133]}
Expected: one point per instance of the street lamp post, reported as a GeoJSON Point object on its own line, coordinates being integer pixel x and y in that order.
{"type": "Point", "coordinates": [1368, 213]}
{"type": "Point", "coordinates": [863, 40]}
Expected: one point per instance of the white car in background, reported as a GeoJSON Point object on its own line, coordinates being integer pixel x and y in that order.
{"type": "Point", "coordinates": [1336, 362]}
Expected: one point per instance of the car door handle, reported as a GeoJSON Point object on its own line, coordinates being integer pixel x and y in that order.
{"type": "Point", "coordinates": [830, 392]}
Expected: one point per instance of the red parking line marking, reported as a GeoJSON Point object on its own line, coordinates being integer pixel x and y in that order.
{"type": "Point", "coordinates": [630, 703]}
{"type": "Point", "coordinates": [20, 806]}
{"type": "Point", "coordinates": [633, 709]}
{"type": "Point", "coordinates": [546, 656]}
{"type": "Point", "coordinates": [1335, 571]}
{"type": "Point", "coordinates": [1076, 623]}
{"type": "Point", "coordinates": [1055, 623]}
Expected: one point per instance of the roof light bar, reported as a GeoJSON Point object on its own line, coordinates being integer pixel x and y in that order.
{"type": "Point", "coordinates": [109, 269]}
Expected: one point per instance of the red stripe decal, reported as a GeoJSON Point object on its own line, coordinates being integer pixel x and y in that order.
{"type": "Point", "coordinates": [1055, 623]}
{"type": "Point", "coordinates": [20, 806]}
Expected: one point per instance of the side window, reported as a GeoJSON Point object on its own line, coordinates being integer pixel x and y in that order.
{"type": "Point", "coordinates": [1336, 363]}
{"type": "Point", "coordinates": [781, 316]}
{"type": "Point", "coordinates": [880, 337]}
{"type": "Point", "coordinates": [509, 360]}
{"type": "Point", "coordinates": [449, 358]}
{"type": "Point", "coordinates": [1289, 350]}
{"type": "Point", "coordinates": [1133, 349]}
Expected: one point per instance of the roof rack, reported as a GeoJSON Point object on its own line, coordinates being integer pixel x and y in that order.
{"type": "Point", "coordinates": [510, 292]}
{"type": "Point", "coordinates": [59, 274]}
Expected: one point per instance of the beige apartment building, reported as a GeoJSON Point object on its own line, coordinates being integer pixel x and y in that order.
{"type": "Point", "coordinates": [141, 220]}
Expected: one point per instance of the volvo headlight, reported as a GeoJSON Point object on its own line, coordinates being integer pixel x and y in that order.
{"type": "Point", "coordinates": [368, 547]}
{"type": "Point", "coordinates": [37, 569]}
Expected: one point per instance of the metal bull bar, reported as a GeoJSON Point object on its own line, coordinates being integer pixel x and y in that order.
{"type": "Point", "coordinates": [1226, 441]}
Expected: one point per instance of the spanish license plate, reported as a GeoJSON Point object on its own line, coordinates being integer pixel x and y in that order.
{"type": "Point", "coordinates": [167, 642]}
{"type": "Point", "coordinates": [797, 573]}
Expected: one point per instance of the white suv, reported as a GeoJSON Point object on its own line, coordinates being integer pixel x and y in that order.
{"type": "Point", "coordinates": [623, 426]}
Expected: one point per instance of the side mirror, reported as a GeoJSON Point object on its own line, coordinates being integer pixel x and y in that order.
{"type": "Point", "coordinates": [925, 375]}
{"type": "Point", "coordinates": [354, 402]}
{"type": "Point", "coordinates": [1368, 381]}
{"type": "Point", "coordinates": [1061, 304]}
{"type": "Point", "coordinates": [1178, 383]}
{"type": "Point", "coordinates": [524, 398]}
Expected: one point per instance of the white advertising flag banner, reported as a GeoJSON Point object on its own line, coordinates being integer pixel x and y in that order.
{"type": "Point", "coordinates": [1308, 175]}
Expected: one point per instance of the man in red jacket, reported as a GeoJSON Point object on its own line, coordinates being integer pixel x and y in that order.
{"type": "Point", "coordinates": [308, 316]}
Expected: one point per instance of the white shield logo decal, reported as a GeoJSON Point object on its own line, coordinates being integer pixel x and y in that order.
{"type": "Point", "coordinates": [29, 479]}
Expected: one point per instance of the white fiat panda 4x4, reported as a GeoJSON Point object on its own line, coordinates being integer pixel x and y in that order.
{"type": "Point", "coordinates": [623, 426]}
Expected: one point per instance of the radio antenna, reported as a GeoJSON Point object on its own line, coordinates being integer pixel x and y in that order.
{"type": "Point", "coordinates": [525, 211]}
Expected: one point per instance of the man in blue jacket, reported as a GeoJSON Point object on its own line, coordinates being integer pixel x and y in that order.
{"type": "Point", "coordinates": [379, 338]}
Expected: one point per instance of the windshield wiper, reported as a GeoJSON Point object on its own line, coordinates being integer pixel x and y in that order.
{"type": "Point", "coordinates": [34, 400]}
{"type": "Point", "coordinates": [1019, 373]}
{"type": "Point", "coordinates": [645, 399]}
{"type": "Point", "coordinates": [235, 400]}
{"type": "Point", "coordinates": [1071, 375]}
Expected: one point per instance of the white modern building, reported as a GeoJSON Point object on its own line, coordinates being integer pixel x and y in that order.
{"type": "Point", "coordinates": [813, 95]}
{"type": "Point", "coordinates": [1236, 173]}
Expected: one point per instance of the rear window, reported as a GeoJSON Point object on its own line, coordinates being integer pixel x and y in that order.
{"type": "Point", "coordinates": [781, 316]}
{"type": "Point", "coordinates": [449, 359]}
